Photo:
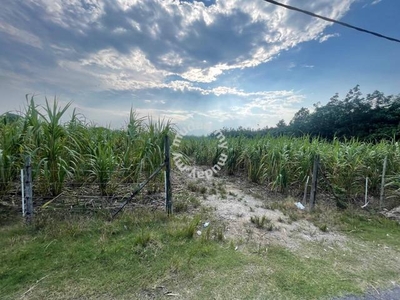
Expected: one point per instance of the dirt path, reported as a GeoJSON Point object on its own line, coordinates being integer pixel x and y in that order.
{"type": "Point", "coordinates": [236, 202]}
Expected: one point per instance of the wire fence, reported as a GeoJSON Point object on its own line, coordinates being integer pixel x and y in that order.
{"type": "Point", "coordinates": [89, 191]}
{"type": "Point", "coordinates": [86, 196]}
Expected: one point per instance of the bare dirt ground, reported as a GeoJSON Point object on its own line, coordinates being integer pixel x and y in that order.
{"type": "Point", "coordinates": [239, 207]}
{"type": "Point", "coordinates": [236, 201]}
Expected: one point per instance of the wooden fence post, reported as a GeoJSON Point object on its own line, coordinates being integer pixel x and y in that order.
{"type": "Point", "coordinates": [168, 193]}
{"type": "Point", "coordinates": [23, 193]}
{"type": "Point", "coordinates": [305, 191]}
{"type": "Point", "coordinates": [381, 198]}
{"type": "Point", "coordinates": [313, 193]}
{"type": "Point", "coordinates": [366, 202]}
{"type": "Point", "coordinates": [28, 190]}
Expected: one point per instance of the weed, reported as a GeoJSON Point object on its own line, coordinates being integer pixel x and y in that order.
{"type": "Point", "coordinates": [222, 189]}
{"type": "Point", "coordinates": [249, 233]}
{"type": "Point", "coordinates": [142, 239]}
{"type": "Point", "coordinates": [293, 216]}
{"type": "Point", "coordinates": [257, 195]}
{"type": "Point", "coordinates": [203, 190]}
{"type": "Point", "coordinates": [213, 191]}
{"type": "Point", "coordinates": [192, 186]}
{"type": "Point", "coordinates": [194, 201]}
{"type": "Point", "coordinates": [205, 210]}
{"type": "Point", "coordinates": [219, 234]}
{"type": "Point", "coordinates": [323, 228]}
{"type": "Point", "coordinates": [270, 227]}
{"type": "Point", "coordinates": [183, 200]}
{"type": "Point", "coordinates": [187, 231]}
{"type": "Point", "coordinates": [232, 245]}
{"type": "Point", "coordinates": [260, 222]}
{"type": "Point", "coordinates": [180, 206]}
{"type": "Point", "coordinates": [207, 234]}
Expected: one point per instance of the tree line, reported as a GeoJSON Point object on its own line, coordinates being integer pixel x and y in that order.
{"type": "Point", "coordinates": [372, 117]}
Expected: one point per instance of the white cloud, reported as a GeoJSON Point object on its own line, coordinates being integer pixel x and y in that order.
{"type": "Point", "coordinates": [326, 37]}
{"type": "Point", "coordinates": [131, 71]}
{"type": "Point", "coordinates": [117, 116]}
{"type": "Point", "coordinates": [72, 14]}
{"type": "Point", "coordinates": [194, 41]}
{"type": "Point", "coordinates": [141, 47]}
{"type": "Point", "coordinates": [291, 66]}
{"type": "Point", "coordinates": [267, 107]}
{"type": "Point", "coordinates": [205, 75]}
{"type": "Point", "coordinates": [155, 101]}
{"type": "Point", "coordinates": [182, 86]}
{"type": "Point", "coordinates": [21, 35]}
{"type": "Point", "coordinates": [376, 2]}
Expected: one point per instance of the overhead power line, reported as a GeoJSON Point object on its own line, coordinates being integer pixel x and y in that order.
{"type": "Point", "coordinates": [332, 20]}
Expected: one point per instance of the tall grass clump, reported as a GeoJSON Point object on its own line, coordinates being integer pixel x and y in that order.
{"type": "Point", "coordinates": [69, 150]}
{"type": "Point", "coordinates": [103, 161]}
{"type": "Point", "coordinates": [11, 138]}
{"type": "Point", "coordinates": [284, 163]}
{"type": "Point", "coordinates": [56, 148]}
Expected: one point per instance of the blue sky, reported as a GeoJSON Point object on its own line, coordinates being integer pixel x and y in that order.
{"type": "Point", "coordinates": [205, 63]}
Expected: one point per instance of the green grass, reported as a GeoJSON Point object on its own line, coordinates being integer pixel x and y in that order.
{"type": "Point", "coordinates": [184, 201]}
{"type": "Point", "coordinates": [301, 281]}
{"type": "Point", "coordinates": [367, 226]}
{"type": "Point", "coordinates": [132, 257]}
{"type": "Point", "coordinates": [372, 228]}
{"type": "Point", "coordinates": [128, 255]}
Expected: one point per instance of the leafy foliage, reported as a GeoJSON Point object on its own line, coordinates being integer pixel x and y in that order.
{"type": "Point", "coordinates": [370, 118]}
{"type": "Point", "coordinates": [284, 163]}
{"type": "Point", "coordinates": [65, 150]}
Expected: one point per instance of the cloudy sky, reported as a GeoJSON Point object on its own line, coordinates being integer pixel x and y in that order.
{"type": "Point", "coordinates": [211, 63]}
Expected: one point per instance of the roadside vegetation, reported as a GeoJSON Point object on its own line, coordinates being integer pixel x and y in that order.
{"type": "Point", "coordinates": [143, 255]}
{"type": "Point", "coordinates": [71, 151]}
{"type": "Point", "coordinates": [75, 152]}
{"type": "Point", "coordinates": [284, 163]}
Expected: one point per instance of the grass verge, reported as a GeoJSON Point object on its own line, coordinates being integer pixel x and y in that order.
{"type": "Point", "coordinates": [145, 255]}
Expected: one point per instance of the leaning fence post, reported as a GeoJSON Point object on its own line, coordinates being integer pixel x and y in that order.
{"type": "Point", "coordinates": [168, 194]}
{"type": "Point", "coordinates": [383, 183]}
{"type": "Point", "coordinates": [28, 190]}
{"type": "Point", "coordinates": [313, 192]}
